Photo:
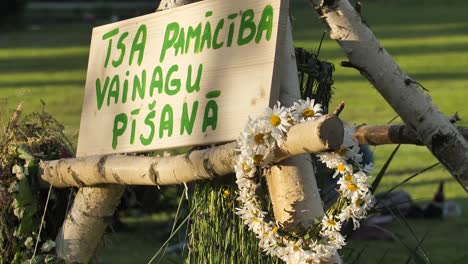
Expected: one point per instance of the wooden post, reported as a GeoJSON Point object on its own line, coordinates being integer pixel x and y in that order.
{"type": "Point", "coordinates": [293, 189]}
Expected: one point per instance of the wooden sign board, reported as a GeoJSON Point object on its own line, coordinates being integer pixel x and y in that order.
{"type": "Point", "coordinates": [182, 77]}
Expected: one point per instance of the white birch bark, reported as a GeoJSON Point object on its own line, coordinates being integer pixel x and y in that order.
{"type": "Point", "coordinates": [310, 137]}
{"type": "Point", "coordinates": [81, 233]}
{"type": "Point", "coordinates": [406, 97]}
{"type": "Point", "coordinates": [291, 183]}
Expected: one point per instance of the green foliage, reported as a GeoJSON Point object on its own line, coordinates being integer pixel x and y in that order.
{"type": "Point", "coordinates": [23, 143]}
{"type": "Point", "coordinates": [217, 234]}
{"type": "Point", "coordinates": [427, 38]}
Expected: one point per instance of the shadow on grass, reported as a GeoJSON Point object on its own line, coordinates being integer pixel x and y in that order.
{"type": "Point", "coordinates": [417, 76]}
{"type": "Point", "coordinates": [41, 84]}
{"type": "Point", "coordinates": [439, 30]}
{"type": "Point", "coordinates": [47, 64]}
{"type": "Point", "coordinates": [402, 50]}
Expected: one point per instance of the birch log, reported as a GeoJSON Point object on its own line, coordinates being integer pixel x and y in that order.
{"type": "Point", "coordinates": [392, 134]}
{"type": "Point", "coordinates": [291, 183]}
{"type": "Point", "coordinates": [84, 226]}
{"type": "Point", "coordinates": [310, 137]}
{"type": "Point", "coordinates": [405, 95]}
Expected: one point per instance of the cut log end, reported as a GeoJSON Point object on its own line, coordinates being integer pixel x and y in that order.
{"type": "Point", "coordinates": [331, 132]}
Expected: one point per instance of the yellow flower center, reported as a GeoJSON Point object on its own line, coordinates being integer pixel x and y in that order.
{"type": "Point", "coordinates": [348, 177]}
{"type": "Point", "coordinates": [331, 222]}
{"type": "Point", "coordinates": [255, 220]}
{"type": "Point", "coordinates": [275, 229]}
{"type": "Point", "coordinates": [296, 248]}
{"type": "Point", "coordinates": [257, 159]}
{"type": "Point", "coordinates": [246, 168]}
{"type": "Point", "coordinates": [275, 120]}
{"type": "Point", "coordinates": [259, 138]}
{"type": "Point", "coordinates": [308, 112]}
{"type": "Point", "coordinates": [226, 193]}
{"type": "Point", "coordinates": [352, 187]}
{"type": "Point", "coordinates": [341, 168]}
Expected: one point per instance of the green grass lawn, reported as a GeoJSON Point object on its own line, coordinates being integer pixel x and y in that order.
{"type": "Point", "coordinates": [429, 39]}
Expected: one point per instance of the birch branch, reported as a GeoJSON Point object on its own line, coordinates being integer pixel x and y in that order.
{"type": "Point", "coordinates": [392, 134]}
{"type": "Point", "coordinates": [310, 137]}
{"type": "Point", "coordinates": [404, 94]}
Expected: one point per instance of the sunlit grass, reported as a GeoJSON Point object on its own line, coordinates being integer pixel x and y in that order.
{"type": "Point", "coordinates": [430, 42]}
{"type": "Point", "coordinates": [37, 53]}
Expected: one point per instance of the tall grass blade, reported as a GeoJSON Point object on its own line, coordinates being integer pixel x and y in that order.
{"type": "Point", "coordinates": [412, 176]}
{"type": "Point", "coordinates": [173, 234]}
{"type": "Point", "coordinates": [383, 256]}
{"type": "Point", "coordinates": [418, 246]}
{"type": "Point", "coordinates": [424, 259]}
{"type": "Point", "coordinates": [176, 219]}
{"type": "Point", "coordinates": [358, 255]}
{"type": "Point", "coordinates": [382, 171]}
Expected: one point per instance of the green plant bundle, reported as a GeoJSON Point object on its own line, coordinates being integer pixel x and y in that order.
{"type": "Point", "coordinates": [217, 235]}
{"type": "Point", "coordinates": [23, 144]}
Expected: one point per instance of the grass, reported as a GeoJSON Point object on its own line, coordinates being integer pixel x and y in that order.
{"type": "Point", "coordinates": [427, 38]}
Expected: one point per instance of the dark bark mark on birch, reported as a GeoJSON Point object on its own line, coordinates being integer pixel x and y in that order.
{"type": "Point", "coordinates": [210, 168]}
{"type": "Point", "coordinates": [76, 177]}
{"type": "Point", "coordinates": [118, 179]}
{"type": "Point", "coordinates": [153, 173]}
{"type": "Point", "coordinates": [101, 166]}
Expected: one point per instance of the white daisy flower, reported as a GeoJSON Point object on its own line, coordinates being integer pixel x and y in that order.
{"type": "Point", "coordinates": [325, 251]}
{"type": "Point", "coordinates": [255, 152]}
{"type": "Point", "coordinates": [335, 238]}
{"type": "Point", "coordinates": [330, 159]}
{"type": "Point", "coordinates": [343, 169]}
{"type": "Point", "coordinates": [255, 134]}
{"type": "Point", "coordinates": [246, 166]}
{"type": "Point", "coordinates": [306, 110]}
{"type": "Point", "coordinates": [329, 223]}
{"type": "Point", "coordinates": [295, 247]}
{"type": "Point", "coordinates": [276, 120]}
{"type": "Point", "coordinates": [351, 187]}
{"type": "Point", "coordinates": [261, 155]}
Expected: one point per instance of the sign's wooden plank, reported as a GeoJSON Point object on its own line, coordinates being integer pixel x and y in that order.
{"type": "Point", "coordinates": [183, 77]}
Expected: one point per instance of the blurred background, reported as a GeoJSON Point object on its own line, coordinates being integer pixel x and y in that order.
{"type": "Point", "coordinates": [44, 49]}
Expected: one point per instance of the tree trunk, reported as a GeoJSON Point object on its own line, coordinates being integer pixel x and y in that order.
{"type": "Point", "coordinates": [310, 137]}
{"type": "Point", "coordinates": [403, 93]}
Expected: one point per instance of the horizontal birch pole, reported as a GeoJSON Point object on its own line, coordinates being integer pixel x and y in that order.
{"type": "Point", "coordinates": [392, 134]}
{"type": "Point", "coordinates": [309, 137]}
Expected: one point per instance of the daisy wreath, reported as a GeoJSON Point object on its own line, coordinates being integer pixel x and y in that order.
{"type": "Point", "coordinates": [323, 239]}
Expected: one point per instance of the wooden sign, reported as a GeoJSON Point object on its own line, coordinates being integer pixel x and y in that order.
{"type": "Point", "coordinates": [182, 77]}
